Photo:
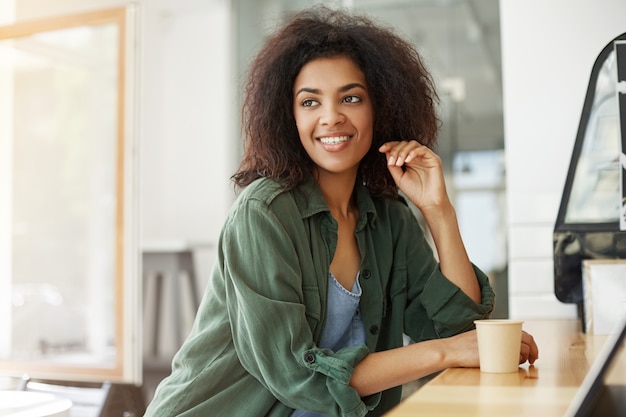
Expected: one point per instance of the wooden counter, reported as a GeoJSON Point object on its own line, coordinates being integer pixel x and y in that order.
{"type": "Point", "coordinates": [541, 390]}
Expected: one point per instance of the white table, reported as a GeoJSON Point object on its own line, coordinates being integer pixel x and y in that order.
{"type": "Point", "coordinates": [33, 404]}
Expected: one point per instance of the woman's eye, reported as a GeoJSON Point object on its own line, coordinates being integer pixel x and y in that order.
{"type": "Point", "coordinates": [309, 103]}
{"type": "Point", "coordinates": [352, 99]}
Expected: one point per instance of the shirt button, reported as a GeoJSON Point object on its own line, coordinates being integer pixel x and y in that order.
{"type": "Point", "coordinates": [367, 274]}
{"type": "Point", "coordinates": [309, 358]}
{"type": "Point", "coordinates": [374, 329]}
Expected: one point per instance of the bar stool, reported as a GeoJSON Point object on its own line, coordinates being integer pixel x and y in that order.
{"type": "Point", "coordinates": [163, 262]}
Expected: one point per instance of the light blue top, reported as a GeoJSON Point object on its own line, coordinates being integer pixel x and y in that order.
{"type": "Point", "coordinates": [344, 326]}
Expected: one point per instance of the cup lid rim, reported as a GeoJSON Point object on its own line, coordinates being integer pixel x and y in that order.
{"type": "Point", "coordinates": [498, 321]}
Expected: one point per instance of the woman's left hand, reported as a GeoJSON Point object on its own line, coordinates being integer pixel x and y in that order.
{"type": "Point", "coordinates": [417, 171]}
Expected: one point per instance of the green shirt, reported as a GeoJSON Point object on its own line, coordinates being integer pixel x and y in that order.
{"type": "Point", "coordinates": [252, 349]}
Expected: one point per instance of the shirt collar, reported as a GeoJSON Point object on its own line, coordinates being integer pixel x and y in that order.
{"type": "Point", "coordinates": [310, 201]}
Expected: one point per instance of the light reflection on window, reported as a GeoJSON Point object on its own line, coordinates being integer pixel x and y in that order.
{"type": "Point", "coordinates": [595, 193]}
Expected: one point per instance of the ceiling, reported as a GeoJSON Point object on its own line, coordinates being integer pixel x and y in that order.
{"type": "Point", "coordinates": [460, 43]}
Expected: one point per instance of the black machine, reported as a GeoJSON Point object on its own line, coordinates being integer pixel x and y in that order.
{"type": "Point", "coordinates": [593, 202]}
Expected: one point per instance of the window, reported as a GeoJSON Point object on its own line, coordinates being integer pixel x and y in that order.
{"type": "Point", "coordinates": [68, 254]}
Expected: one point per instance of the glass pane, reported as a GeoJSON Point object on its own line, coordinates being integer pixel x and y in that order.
{"type": "Point", "coordinates": [620, 53]}
{"type": "Point", "coordinates": [595, 194]}
{"type": "Point", "coordinates": [62, 195]}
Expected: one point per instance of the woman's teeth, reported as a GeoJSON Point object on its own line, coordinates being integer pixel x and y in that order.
{"type": "Point", "coordinates": [334, 140]}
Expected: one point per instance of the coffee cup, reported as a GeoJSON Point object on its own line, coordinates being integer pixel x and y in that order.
{"type": "Point", "coordinates": [499, 343]}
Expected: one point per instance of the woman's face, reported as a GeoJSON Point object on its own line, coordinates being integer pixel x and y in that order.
{"type": "Point", "coordinates": [333, 113]}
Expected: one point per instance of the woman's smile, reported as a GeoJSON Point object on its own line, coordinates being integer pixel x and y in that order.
{"type": "Point", "coordinates": [334, 140]}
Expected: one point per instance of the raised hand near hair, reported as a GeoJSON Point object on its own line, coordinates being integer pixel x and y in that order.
{"type": "Point", "coordinates": [418, 172]}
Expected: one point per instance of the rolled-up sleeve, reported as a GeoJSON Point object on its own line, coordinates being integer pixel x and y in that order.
{"type": "Point", "coordinates": [451, 310]}
{"type": "Point", "coordinates": [263, 260]}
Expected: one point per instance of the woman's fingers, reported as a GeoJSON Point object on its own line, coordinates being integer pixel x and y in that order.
{"type": "Point", "coordinates": [400, 153]}
{"type": "Point", "coordinates": [528, 350]}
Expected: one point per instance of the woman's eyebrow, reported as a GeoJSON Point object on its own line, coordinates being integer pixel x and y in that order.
{"type": "Point", "coordinates": [308, 90]}
{"type": "Point", "coordinates": [342, 89]}
{"type": "Point", "coordinates": [350, 86]}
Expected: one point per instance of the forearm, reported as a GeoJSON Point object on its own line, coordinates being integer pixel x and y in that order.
{"type": "Point", "coordinates": [453, 258]}
{"type": "Point", "coordinates": [387, 369]}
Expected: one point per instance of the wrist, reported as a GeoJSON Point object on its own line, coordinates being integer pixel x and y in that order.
{"type": "Point", "coordinates": [448, 359]}
{"type": "Point", "coordinates": [439, 355]}
{"type": "Point", "coordinates": [440, 213]}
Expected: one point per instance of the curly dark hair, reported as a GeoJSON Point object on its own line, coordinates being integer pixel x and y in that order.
{"type": "Point", "coordinates": [402, 92]}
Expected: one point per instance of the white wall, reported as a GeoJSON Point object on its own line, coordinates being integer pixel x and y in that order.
{"type": "Point", "coordinates": [548, 50]}
{"type": "Point", "coordinates": [186, 118]}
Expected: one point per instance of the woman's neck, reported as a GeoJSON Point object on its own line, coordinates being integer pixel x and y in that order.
{"type": "Point", "coordinates": [337, 191]}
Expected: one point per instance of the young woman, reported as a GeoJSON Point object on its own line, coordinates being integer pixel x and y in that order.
{"type": "Point", "coordinates": [322, 266]}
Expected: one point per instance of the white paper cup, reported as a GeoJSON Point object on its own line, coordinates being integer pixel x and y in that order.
{"type": "Point", "coordinates": [499, 342]}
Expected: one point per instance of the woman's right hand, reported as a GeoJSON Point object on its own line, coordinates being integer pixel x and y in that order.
{"type": "Point", "coordinates": [379, 371]}
{"type": "Point", "coordinates": [529, 350]}
{"type": "Point", "coordinates": [463, 350]}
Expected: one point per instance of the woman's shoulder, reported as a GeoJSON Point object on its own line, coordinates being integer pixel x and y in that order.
{"type": "Point", "coordinates": [265, 202]}
{"type": "Point", "coordinates": [262, 189]}
{"type": "Point", "coordinates": [267, 195]}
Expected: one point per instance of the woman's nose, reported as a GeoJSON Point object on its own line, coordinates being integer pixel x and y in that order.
{"type": "Point", "coordinates": [331, 115]}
